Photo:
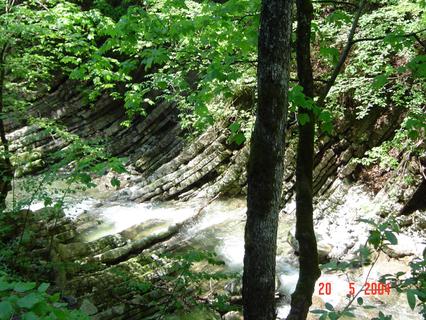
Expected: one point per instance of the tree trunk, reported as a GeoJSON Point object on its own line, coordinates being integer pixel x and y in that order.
{"type": "Point", "coordinates": [6, 169]}
{"type": "Point", "coordinates": [265, 168]}
{"type": "Point", "coordinates": [309, 270]}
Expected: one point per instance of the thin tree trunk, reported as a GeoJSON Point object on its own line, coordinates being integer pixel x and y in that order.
{"type": "Point", "coordinates": [309, 270]}
{"type": "Point", "coordinates": [6, 168]}
{"type": "Point", "coordinates": [265, 169]}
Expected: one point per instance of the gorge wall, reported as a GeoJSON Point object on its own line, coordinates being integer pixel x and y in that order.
{"type": "Point", "coordinates": [167, 166]}
{"type": "Point", "coordinates": [100, 275]}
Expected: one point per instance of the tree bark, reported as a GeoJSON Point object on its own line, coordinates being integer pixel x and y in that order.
{"type": "Point", "coordinates": [6, 169]}
{"type": "Point", "coordinates": [265, 168]}
{"type": "Point", "coordinates": [309, 270]}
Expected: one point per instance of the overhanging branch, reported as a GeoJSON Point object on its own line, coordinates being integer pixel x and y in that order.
{"type": "Point", "coordinates": [343, 56]}
{"type": "Point", "coordinates": [415, 35]}
{"type": "Point", "coordinates": [341, 3]}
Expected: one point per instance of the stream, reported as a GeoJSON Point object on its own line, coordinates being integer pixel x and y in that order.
{"type": "Point", "coordinates": [220, 228]}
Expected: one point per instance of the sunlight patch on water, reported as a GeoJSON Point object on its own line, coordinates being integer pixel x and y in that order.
{"type": "Point", "coordinates": [116, 217]}
{"type": "Point", "coordinates": [74, 210]}
{"type": "Point", "coordinates": [124, 216]}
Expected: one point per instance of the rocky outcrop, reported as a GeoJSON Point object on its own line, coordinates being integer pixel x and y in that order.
{"type": "Point", "coordinates": [165, 166]}
{"type": "Point", "coordinates": [207, 166]}
{"type": "Point", "coordinates": [159, 132]}
{"type": "Point", "coordinates": [169, 167]}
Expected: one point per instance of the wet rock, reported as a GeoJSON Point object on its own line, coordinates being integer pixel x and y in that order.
{"type": "Point", "coordinates": [421, 221]}
{"type": "Point", "coordinates": [88, 307]}
{"type": "Point", "coordinates": [405, 221]}
{"type": "Point", "coordinates": [71, 301]}
{"type": "Point", "coordinates": [233, 315]}
{"type": "Point", "coordinates": [324, 250]}
{"type": "Point", "coordinates": [324, 247]}
{"type": "Point", "coordinates": [405, 247]}
{"type": "Point", "coordinates": [199, 313]}
{"type": "Point", "coordinates": [234, 287]}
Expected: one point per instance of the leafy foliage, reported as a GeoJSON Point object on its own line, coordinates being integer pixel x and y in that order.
{"type": "Point", "coordinates": [190, 52]}
{"type": "Point", "coordinates": [183, 282]}
{"type": "Point", "coordinates": [30, 301]}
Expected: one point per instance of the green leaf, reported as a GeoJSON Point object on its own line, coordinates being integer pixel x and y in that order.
{"type": "Point", "coordinates": [47, 201]}
{"type": "Point", "coordinates": [239, 138]}
{"type": "Point", "coordinates": [325, 116]}
{"type": "Point", "coordinates": [323, 317]}
{"type": "Point", "coordinates": [303, 118]}
{"type": "Point", "coordinates": [375, 238]}
{"type": "Point", "coordinates": [60, 314]}
{"type": "Point", "coordinates": [369, 221]}
{"type": "Point", "coordinates": [42, 308]}
{"type": "Point", "coordinates": [55, 297]}
{"type": "Point", "coordinates": [413, 134]}
{"type": "Point", "coordinates": [29, 301]}
{"type": "Point", "coordinates": [418, 66]}
{"type": "Point", "coordinates": [333, 316]}
{"type": "Point", "coordinates": [348, 314]}
{"type": "Point", "coordinates": [30, 316]}
{"type": "Point", "coordinates": [379, 81]}
{"type": "Point", "coordinates": [24, 286]}
{"type": "Point", "coordinates": [43, 287]}
{"type": "Point", "coordinates": [117, 166]}
{"type": "Point", "coordinates": [234, 127]}
{"type": "Point", "coordinates": [329, 306]}
{"type": "Point", "coordinates": [4, 286]}
{"type": "Point", "coordinates": [84, 178]}
{"type": "Point", "coordinates": [318, 311]}
{"type": "Point", "coordinates": [391, 237]}
{"type": "Point", "coordinates": [331, 54]}
{"type": "Point", "coordinates": [338, 17]}
{"type": "Point", "coordinates": [364, 252]}
{"type": "Point", "coordinates": [332, 265]}
{"type": "Point", "coordinates": [6, 310]}
{"type": "Point", "coordinates": [327, 127]}
{"type": "Point", "coordinates": [115, 182]}
{"type": "Point", "coordinates": [143, 287]}
{"type": "Point", "coordinates": [411, 298]}
{"type": "Point", "coordinates": [360, 301]}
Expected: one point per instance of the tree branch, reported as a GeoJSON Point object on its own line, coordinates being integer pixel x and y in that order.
{"type": "Point", "coordinates": [405, 35]}
{"type": "Point", "coordinates": [341, 3]}
{"type": "Point", "coordinates": [248, 15]}
{"type": "Point", "coordinates": [343, 56]}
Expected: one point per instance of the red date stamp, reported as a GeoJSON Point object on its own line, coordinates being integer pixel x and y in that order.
{"type": "Point", "coordinates": [369, 288]}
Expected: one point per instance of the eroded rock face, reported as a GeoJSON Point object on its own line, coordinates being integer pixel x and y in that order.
{"type": "Point", "coordinates": [163, 167]}
{"type": "Point", "coordinates": [159, 132]}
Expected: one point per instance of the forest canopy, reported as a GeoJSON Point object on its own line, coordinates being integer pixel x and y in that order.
{"type": "Point", "coordinates": [198, 53]}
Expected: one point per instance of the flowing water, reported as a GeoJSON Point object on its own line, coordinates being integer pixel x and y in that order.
{"type": "Point", "coordinates": [220, 228]}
